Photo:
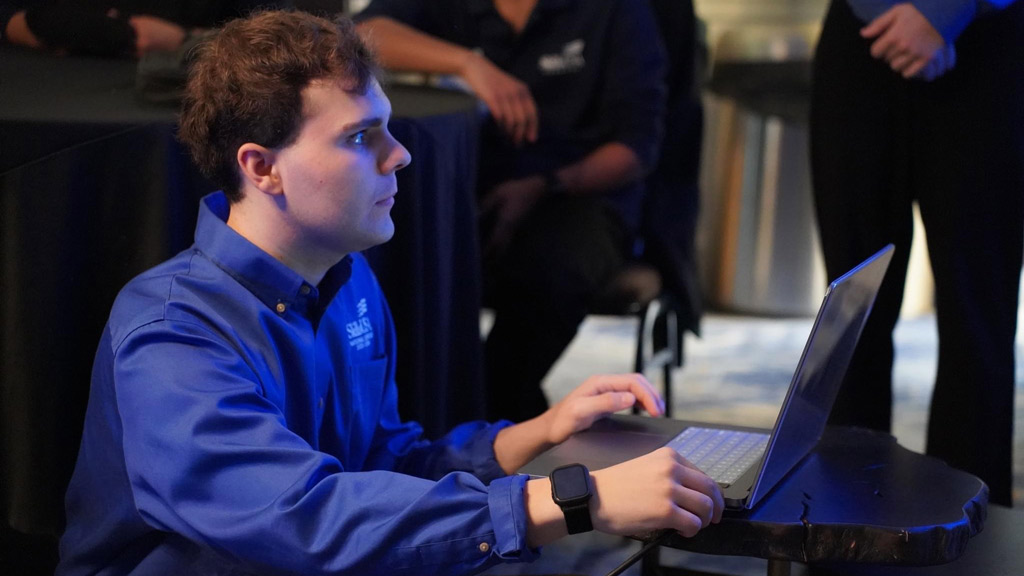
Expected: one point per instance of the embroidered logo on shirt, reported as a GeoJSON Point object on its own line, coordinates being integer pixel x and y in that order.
{"type": "Point", "coordinates": [570, 60]}
{"type": "Point", "coordinates": [360, 332]}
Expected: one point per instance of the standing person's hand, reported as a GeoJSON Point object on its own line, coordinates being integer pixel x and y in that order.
{"type": "Point", "coordinates": [906, 40]}
{"type": "Point", "coordinates": [507, 97]}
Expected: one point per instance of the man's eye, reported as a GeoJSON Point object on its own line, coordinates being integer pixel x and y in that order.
{"type": "Point", "coordinates": [359, 138]}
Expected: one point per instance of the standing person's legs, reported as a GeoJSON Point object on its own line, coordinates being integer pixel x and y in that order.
{"type": "Point", "coordinates": [858, 163]}
{"type": "Point", "coordinates": [969, 174]}
{"type": "Point", "coordinates": [541, 289]}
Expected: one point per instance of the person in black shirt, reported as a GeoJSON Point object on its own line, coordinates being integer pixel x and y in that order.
{"type": "Point", "coordinates": [577, 100]}
{"type": "Point", "coordinates": [114, 28]}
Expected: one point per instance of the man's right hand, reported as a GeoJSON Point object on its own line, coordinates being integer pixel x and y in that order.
{"type": "Point", "coordinates": [908, 43]}
{"type": "Point", "coordinates": [507, 97]}
{"type": "Point", "coordinates": [656, 491]}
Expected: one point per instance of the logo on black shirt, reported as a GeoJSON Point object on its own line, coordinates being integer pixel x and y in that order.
{"type": "Point", "coordinates": [568, 61]}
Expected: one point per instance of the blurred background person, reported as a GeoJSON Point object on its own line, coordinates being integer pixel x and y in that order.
{"type": "Point", "coordinates": [924, 102]}
{"type": "Point", "coordinates": [115, 28]}
{"type": "Point", "coordinates": [577, 101]}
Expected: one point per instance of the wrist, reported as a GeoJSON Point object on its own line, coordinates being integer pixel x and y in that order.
{"type": "Point", "coordinates": [544, 520]}
{"type": "Point", "coordinates": [466, 62]}
{"type": "Point", "coordinates": [554, 185]}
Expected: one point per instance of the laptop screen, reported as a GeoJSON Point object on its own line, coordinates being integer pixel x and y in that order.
{"type": "Point", "coordinates": [826, 357]}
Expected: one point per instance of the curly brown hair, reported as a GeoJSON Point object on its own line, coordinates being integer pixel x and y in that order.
{"type": "Point", "coordinates": [245, 85]}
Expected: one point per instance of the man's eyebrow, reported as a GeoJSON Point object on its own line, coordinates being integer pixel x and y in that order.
{"type": "Point", "coordinates": [363, 124]}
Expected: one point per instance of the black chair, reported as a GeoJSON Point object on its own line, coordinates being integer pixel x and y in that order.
{"type": "Point", "coordinates": [661, 286]}
{"type": "Point", "coordinates": [638, 290]}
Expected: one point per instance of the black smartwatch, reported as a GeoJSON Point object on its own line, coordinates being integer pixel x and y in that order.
{"type": "Point", "coordinates": [570, 489]}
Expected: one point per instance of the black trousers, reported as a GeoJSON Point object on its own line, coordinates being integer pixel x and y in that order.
{"type": "Point", "coordinates": [956, 147]}
{"type": "Point", "coordinates": [541, 287]}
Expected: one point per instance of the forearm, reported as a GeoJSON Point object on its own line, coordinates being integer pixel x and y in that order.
{"type": "Point", "coordinates": [516, 445]}
{"type": "Point", "coordinates": [18, 32]}
{"type": "Point", "coordinates": [610, 166]}
{"type": "Point", "coordinates": [402, 47]}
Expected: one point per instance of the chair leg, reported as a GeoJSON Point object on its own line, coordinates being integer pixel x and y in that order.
{"type": "Point", "coordinates": [658, 325]}
{"type": "Point", "coordinates": [671, 335]}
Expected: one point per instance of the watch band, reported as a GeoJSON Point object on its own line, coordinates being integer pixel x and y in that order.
{"type": "Point", "coordinates": [577, 518]}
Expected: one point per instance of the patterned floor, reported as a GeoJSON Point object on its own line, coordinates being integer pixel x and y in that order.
{"type": "Point", "coordinates": [739, 369]}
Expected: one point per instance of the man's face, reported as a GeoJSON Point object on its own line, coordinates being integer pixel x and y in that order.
{"type": "Point", "coordinates": [338, 176]}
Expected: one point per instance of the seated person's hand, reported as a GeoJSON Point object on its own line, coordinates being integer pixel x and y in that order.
{"type": "Point", "coordinates": [653, 492]}
{"type": "Point", "coordinates": [598, 397]}
{"type": "Point", "coordinates": [155, 34]}
{"type": "Point", "coordinates": [504, 207]}
{"type": "Point", "coordinates": [508, 99]}
{"type": "Point", "coordinates": [905, 39]}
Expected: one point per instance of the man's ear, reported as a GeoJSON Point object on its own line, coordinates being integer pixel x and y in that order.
{"type": "Point", "coordinates": [258, 169]}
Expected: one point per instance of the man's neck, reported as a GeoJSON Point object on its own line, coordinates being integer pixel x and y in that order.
{"type": "Point", "coordinates": [278, 240]}
{"type": "Point", "coordinates": [515, 12]}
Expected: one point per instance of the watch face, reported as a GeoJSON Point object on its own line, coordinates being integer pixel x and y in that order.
{"type": "Point", "coordinates": [570, 482]}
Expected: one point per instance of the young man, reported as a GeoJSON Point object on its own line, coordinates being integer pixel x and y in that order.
{"type": "Point", "coordinates": [242, 416]}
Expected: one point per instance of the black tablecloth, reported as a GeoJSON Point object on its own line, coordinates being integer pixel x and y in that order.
{"type": "Point", "coordinates": [94, 189]}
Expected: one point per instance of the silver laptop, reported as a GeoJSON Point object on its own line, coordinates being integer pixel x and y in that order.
{"type": "Point", "coordinates": [747, 462]}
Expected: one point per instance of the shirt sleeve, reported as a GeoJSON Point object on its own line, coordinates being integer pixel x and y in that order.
{"type": "Point", "coordinates": [951, 17]}
{"type": "Point", "coordinates": [210, 458]}
{"type": "Point", "coordinates": [636, 93]}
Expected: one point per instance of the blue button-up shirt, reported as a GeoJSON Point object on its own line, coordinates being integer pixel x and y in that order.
{"type": "Point", "coordinates": [241, 420]}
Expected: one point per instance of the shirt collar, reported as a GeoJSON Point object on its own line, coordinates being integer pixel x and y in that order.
{"type": "Point", "coordinates": [265, 276]}
{"type": "Point", "coordinates": [478, 7]}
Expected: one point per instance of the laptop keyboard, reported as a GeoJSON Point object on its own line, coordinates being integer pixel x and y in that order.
{"type": "Point", "coordinates": [724, 455]}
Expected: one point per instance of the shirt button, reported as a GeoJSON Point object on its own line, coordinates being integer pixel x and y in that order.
{"type": "Point", "coordinates": [305, 289]}
{"type": "Point", "coordinates": [484, 547]}
{"type": "Point", "coordinates": [281, 307]}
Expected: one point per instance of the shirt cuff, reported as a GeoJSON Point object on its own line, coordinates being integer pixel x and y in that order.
{"type": "Point", "coordinates": [508, 516]}
{"type": "Point", "coordinates": [949, 17]}
{"type": "Point", "coordinates": [482, 457]}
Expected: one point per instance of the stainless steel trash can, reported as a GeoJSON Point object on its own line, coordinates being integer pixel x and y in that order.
{"type": "Point", "coordinates": [759, 237]}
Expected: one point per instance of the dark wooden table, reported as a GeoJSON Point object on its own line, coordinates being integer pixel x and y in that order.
{"type": "Point", "coordinates": [858, 498]}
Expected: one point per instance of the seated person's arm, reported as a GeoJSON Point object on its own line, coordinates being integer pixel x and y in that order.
{"type": "Point", "coordinates": [659, 490]}
{"type": "Point", "coordinates": [17, 32]}
{"type": "Point", "coordinates": [154, 34]}
{"type": "Point", "coordinates": [69, 29]}
{"type": "Point", "coordinates": [402, 47]}
{"type": "Point", "coordinates": [597, 397]}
